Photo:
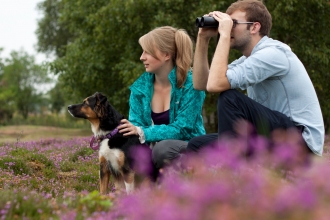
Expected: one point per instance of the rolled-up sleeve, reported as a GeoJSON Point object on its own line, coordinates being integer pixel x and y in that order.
{"type": "Point", "coordinates": [265, 63]}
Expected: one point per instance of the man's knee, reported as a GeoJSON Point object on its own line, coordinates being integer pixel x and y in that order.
{"type": "Point", "coordinates": [228, 96]}
{"type": "Point", "coordinates": [196, 143]}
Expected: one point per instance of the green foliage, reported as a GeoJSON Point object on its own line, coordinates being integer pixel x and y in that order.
{"type": "Point", "coordinates": [57, 98]}
{"type": "Point", "coordinates": [93, 202]}
{"type": "Point", "coordinates": [104, 53]}
{"type": "Point", "coordinates": [20, 152]}
{"type": "Point", "coordinates": [81, 153]}
{"type": "Point", "coordinates": [62, 121]}
{"type": "Point", "coordinates": [19, 79]}
{"type": "Point", "coordinates": [41, 158]}
{"type": "Point", "coordinates": [53, 35]}
{"type": "Point", "coordinates": [17, 165]}
{"type": "Point", "coordinates": [27, 207]}
{"type": "Point", "coordinates": [67, 166]}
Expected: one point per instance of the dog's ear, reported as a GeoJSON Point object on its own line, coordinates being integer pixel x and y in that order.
{"type": "Point", "coordinates": [100, 107]}
{"type": "Point", "coordinates": [100, 98]}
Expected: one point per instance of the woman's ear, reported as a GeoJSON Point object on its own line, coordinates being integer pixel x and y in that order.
{"type": "Point", "coordinates": [168, 56]}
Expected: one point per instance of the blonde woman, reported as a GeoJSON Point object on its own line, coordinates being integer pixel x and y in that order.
{"type": "Point", "coordinates": [165, 109]}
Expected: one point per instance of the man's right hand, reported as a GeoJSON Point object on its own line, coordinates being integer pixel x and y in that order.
{"type": "Point", "coordinates": [208, 33]}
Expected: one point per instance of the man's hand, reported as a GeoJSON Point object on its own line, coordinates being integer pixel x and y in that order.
{"type": "Point", "coordinates": [127, 128]}
{"type": "Point", "coordinates": [207, 33]}
{"type": "Point", "coordinates": [225, 23]}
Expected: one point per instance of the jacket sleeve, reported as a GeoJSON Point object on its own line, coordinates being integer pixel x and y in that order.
{"type": "Point", "coordinates": [137, 110]}
{"type": "Point", "coordinates": [186, 118]}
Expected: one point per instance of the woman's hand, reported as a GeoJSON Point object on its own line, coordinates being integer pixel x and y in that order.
{"type": "Point", "coordinates": [127, 128]}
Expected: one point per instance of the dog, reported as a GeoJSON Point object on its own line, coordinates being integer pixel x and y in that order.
{"type": "Point", "coordinates": [114, 149]}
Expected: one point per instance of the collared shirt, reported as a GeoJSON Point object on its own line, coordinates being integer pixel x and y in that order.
{"type": "Point", "coordinates": [275, 77]}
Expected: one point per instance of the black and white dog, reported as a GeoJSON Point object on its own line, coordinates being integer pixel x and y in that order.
{"type": "Point", "coordinates": [114, 148]}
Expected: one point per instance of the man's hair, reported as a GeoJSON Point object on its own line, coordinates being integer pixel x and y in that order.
{"type": "Point", "coordinates": [256, 11]}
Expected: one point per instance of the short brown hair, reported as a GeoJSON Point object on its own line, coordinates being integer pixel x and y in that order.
{"type": "Point", "coordinates": [255, 11]}
{"type": "Point", "coordinates": [174, 41]}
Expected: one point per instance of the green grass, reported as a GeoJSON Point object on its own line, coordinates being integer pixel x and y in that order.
{"type": "Point", "coordinates": [22, 133]}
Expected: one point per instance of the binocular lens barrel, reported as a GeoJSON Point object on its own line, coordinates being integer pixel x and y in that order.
{"type": "Point", "coordinates": [206, 22]}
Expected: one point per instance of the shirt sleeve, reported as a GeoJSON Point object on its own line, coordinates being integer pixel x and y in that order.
{"type": "Point", "coordinates": [263, 64]}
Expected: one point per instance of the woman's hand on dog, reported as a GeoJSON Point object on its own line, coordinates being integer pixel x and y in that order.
{"type": "Point", "coordinates": [127, 128]}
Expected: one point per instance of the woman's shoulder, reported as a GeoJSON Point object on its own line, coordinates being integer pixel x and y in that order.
{"type": "Point", "coordinates": [189, 80]}
{"type": "Point", "coordinates": [142, 81]}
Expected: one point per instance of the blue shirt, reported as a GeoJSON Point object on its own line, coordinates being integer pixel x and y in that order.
{"type": "Point", "coordinates": [185, 113]}
{"type": "Point", "coordinates": [275, 77]}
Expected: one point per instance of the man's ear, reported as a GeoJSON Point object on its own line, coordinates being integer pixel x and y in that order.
{"type": "Point", "coordinates": [255, 28]}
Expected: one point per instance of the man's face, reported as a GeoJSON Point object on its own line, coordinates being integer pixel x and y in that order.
{"type": "Point", "coordinates": [240, 35]}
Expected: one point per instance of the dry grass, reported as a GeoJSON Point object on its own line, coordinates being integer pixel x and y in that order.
{"type": "Point", "coordinates": [10, 134]}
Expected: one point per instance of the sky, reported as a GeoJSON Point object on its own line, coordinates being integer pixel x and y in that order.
{"type": "Point", "coordinates": [18, 23]}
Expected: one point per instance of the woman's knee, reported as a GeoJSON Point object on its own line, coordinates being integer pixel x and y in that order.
{"type": "Point", "coordinates": [159, 151]}
{"type": "Point", "coordinates": [166, 151]}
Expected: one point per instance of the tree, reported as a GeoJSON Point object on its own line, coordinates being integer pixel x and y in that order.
{"type": "Point", "coordinates": [104, 53]}
{"type": "Point", "coordinates": [57, 98]}
{"type": "Point", "coordinates": [20, 79]}
{"type": "Point", "coordinates": [6, 107]}
{"type": "Point", "coordinates": [53, 35]}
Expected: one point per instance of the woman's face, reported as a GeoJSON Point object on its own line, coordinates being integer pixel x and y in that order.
{"type": "Point", "coordinates": [151, 63]}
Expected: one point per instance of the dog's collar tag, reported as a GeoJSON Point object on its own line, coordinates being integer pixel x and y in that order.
{"type": "Point", "coordinates": [95, 144]}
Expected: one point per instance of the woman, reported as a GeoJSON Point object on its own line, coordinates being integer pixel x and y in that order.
{"type": "Point", "coordinates": [165, 110]}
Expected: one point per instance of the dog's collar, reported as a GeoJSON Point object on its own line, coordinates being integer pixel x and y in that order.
{"type": "Point", "coordinates": [95, 142]}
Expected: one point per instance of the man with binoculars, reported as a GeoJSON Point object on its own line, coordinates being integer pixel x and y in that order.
{"type": "Point", "coordinates": [280, 94]}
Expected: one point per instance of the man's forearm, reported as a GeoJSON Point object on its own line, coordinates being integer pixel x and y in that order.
{"type": "Point", "coordinates": [201, 65]}
{"type": "Point", "coordinates": [217, 80]}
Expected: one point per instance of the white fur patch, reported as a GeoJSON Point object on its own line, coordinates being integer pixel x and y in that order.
{"type": "Point", "coordinates": [111, 155]}
{"type": "Point", "coordinates": [129, 187]}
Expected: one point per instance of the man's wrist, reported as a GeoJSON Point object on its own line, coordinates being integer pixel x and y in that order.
{"type": "Point", "coordinates": [203, 38]}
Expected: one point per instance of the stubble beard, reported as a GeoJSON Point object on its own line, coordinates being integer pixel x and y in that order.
{"type": "Point", "coordinates": [241, 43]}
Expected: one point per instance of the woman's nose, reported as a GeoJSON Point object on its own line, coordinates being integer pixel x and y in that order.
{"type": "Point", "coordinates": [142, 57]}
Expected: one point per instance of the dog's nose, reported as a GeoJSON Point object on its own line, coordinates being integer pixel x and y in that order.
{"type": "Point", "coordinates": [69, 107]}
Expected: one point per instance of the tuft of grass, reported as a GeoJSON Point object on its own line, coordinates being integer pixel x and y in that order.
{"type": "Point", "coordinates": [41, 159]}
{"type": "Point", "coordinates": [20, 205]}
{"type": "Point", "coordinates": [94, 202]}
{"type": "Point", "coordinates": [17, 165]}
{"type": "Point", "coordinates": [84, 152]}
{"type": "Point", "coordinates": [67, 166]}
{"type": "Point", "coordinates": [20, 152]}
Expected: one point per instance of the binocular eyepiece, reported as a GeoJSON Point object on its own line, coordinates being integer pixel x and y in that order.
{"type": "Point", "coordinates": [206, 22]}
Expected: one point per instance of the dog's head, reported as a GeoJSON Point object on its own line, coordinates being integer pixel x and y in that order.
{"type": "Point", "coordinates": [96, 108]}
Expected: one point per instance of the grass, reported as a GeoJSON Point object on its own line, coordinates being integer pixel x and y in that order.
{"type": "Point", "coordinates": [22, 133]}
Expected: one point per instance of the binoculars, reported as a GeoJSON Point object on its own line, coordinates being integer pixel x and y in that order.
{"type": "Point", "coordinates": [206, 22]}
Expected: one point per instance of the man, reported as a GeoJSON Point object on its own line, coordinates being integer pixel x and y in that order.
{"type": "Point", "coordinates": [280, 92]}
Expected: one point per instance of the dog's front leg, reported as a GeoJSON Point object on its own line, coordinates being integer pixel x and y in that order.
{"type": "Point", "coordinates": [129, 181]}
{"type": "Point", "coordinates": [104, 175]}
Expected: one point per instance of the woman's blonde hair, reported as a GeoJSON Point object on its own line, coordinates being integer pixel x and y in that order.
{"type": "Point", "coordinates": [173, 41]}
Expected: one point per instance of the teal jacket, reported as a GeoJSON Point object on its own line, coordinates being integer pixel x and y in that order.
{"type": "Point", "coordinates": [186, 104]}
